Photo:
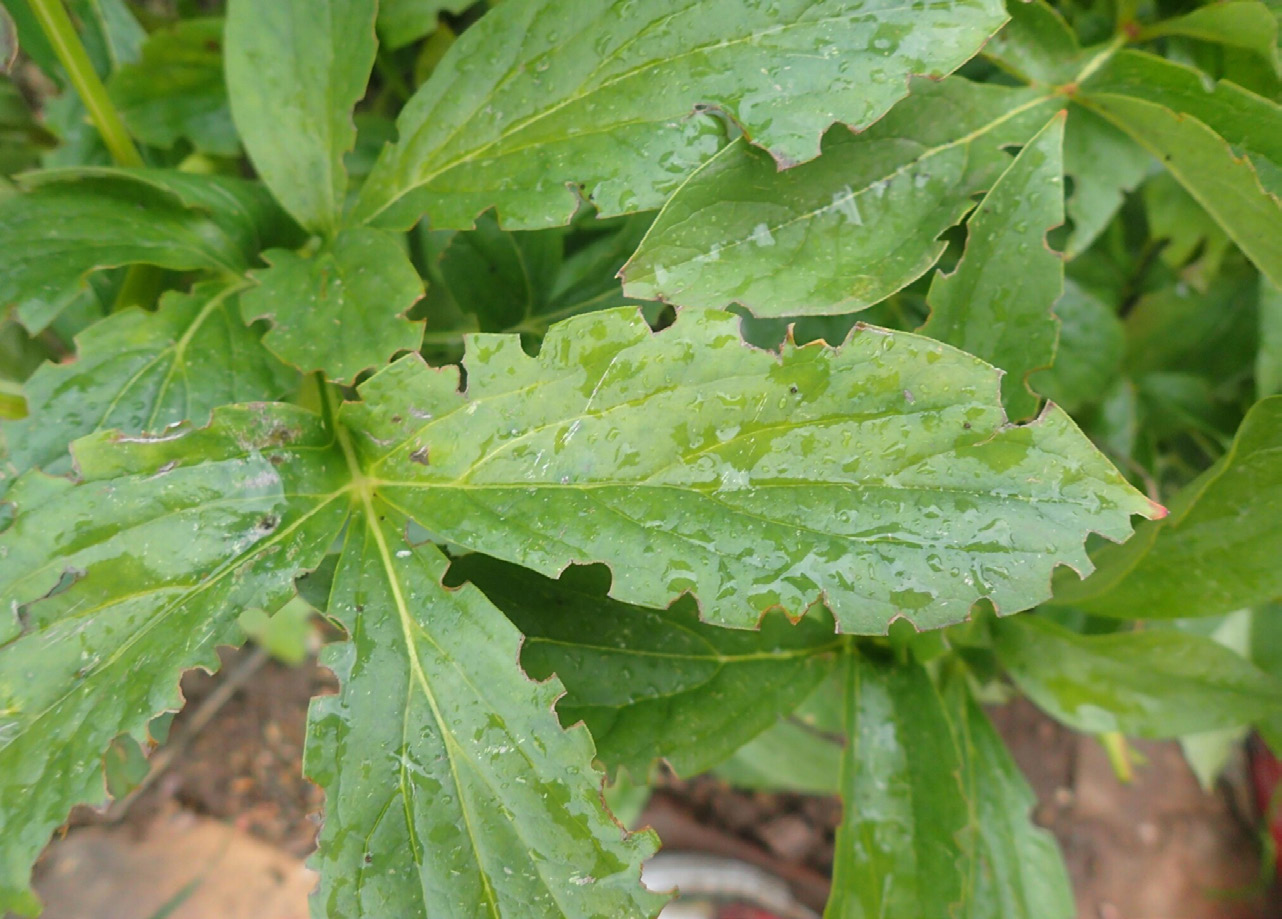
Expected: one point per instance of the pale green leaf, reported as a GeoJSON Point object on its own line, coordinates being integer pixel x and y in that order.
{"type": "Point", "coordinates": [1184, 229]}
{"type": "Point", "coordinates": [1089, 354]}
{"type": "Point", "coordinates": [626, 99]}
{"type": "Point", "coordinates": [450, 787]}
{"type": "Point", "coordinates": [1217, 551]}
{"type": "Point", "coordinates": [996, 304]}
{"type": "Point", "coordinates": [113, 586]}
{"type": "Point", "coordinates": [881, 475]}
{"type": "Point", "coordinates": [1226, 186]}
{"type": "Point", "coordinates": [139, 372]}
{"type": "Point", "coordinates": [176, 90]}
{"type": "Point", "coordinates": [936, 819]}
{"type": "Point", "coordinates": [1104, 164]}
{"type": "Point", "coordinates": [1037, 45]}
{"type": "Point", "coordinates": [1268, 361]}
{"type": "Point", "coordinates": [402, 22]}
{"type": "Point", "coordinates": [1151, 683]}
{"type": "Point", "coordinates": [1246, 24]}
{"type": "Point", "coordinates": [295, 70]}
{"type": "Point", "coordinates": [71, 222]}
{"type": "Point", "coordinates": [655, 683]}
{"type": "Point", "coordinates": [341, 310]}
{"type": "Point", "coordinates": [845, 231]}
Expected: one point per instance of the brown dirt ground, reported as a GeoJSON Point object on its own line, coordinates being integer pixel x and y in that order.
{"type": "Point", "coordinates": [1159, 848]}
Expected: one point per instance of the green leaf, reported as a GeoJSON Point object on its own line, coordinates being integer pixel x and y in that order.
{"type": "Point", "coordinates": [1184, 229]}
{"type": "Point", "coordinates": [1037, 46]}
{"type": "Point", "coordinates": [996, 304]}
{"type": "Point", "coordinates": [124, 580]}
{"type": "Point", "coordinates": [1089, 354]}
{"type": "Point", "coordinates": [124, 766]}
{"type": "Point", "coordinates": [140, 372]}
{"type": "Point", "coordinates": [8, 41]}
{"type": "Point", "coordinates": [176, 90]}
{"type": "Point", "coordinates": [342, 310]}
{"type": "Point", "coordinates": [71, 222]}
{"type": "Point", "coordinates": [295, 70]}
{"type": "Point", "coordinates": [1268, 361]}
{"type": "Point", "coordinates": [1218, 549]}
{"type": "Point", "coordinates": [881, 475]}
{"type": "Point", "coordinates": [655, 683]}
{"type": "Point", "coordinates": [450, 787]}
{"type": "Point", "coordinates": [1250, 123]}
{"type": "Point", "coordinates": [1246, 24]}
{"type": "Point", "coordinates": [493, 280]}
{"type": "Point", "coordinates": [403, 22]}
{"type": "Point", "coordinates": [845, 231]}
{"type": "Point", "coordinates": [1104, 164]}
{"type": "Point", "coordinates": [1227, 186]}
{"type": "Point", "coordinates": [626, 100]}
{"type": "Point", "coordinates": [1152, 683]}
{"type": "Point", "coordinates": [936, 817]}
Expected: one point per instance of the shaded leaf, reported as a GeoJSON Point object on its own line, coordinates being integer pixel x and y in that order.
{"type": "Point", "coordinates": [1036, 45]}
{"type": "Point", "coordinates": [403, 22]}
{"type": "Point", "coordinates": [1104, 165]}
{"type": "Point", "coordinates": [139, 372]}
{"type": "Point", "coordinates": [1089, 354]}
{"type": "Point", "coordinates": [996, 304]}
{"type": "Point", "coordinates": [655, 683]}
{"type": "Point", "coordinates": [1268, 361]}
{"type": "Point", "coordinates": [1218, 549]}
{"type": "Point", "coordinates": [295, 70]}
{"type": "Point", "coordinates": [342, 310]}
{"type": "Point", "coordinates": [880, 475]}
{"type": "Point", "coordinates": [110, 613]}
{"type": "Point", "coordinates": [845, 231]}
{"type": "Point", "coordinates": [71, 222]}
{"type": "Point", "coordinates": [936, 819]}
{"type": "Point", "coordinates": [176, 90]}
{"type": "Point", "coordinates": [627, 99]}
{"type": "Point", "coordinates": [1246, 24]}
{"type": "Point", "coordinates": [1151, 683]}
{"type": "Point", "coordinates": [8, 41]}
{"type": "Point", "coordinates": [450, 786]}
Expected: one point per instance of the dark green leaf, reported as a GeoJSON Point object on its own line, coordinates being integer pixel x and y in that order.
{"type": "Point", "coordinates": [655, 683]}
{"type": "Point", "coordinates": [1037, 45]}
{"type": "Point", "coordinates": [1218, 549]}
{"type": "Point", "coordinates": [295, 70]}
{"type": "Point", "coordinates": [845, 231]}
{"type": "Point", "coordinates": [176, 90]}
{"type": "Point", "coordinates": [996, 304]}
{"type": "Point", "coordinates": [450, 786]}
{"type": "Point", "coordinates": [1104, 164]}
{"type": "Point", "coordinates": [881, 475]}
{"type": "Point", "coordinates": [142, 372]}
{"type": "Point", "coordinates": [8, 41]}
{"type": "Point", "coordinates": [1268, 362]}
{"type": "Point", "coordinates": [342, 310]}
{"type": "Point", "coordinates": [1152, 683]}
{"type": "Point", "coordinates": [124, 766]}
{"type": "Point", "coordinates": [124, 580]}
{"type": "Point", "coordinates": [1089, 354]}
{"type": "Point", "coordinates": [71, 222]}
{"type": "Point", "coordinates": [403, 22]}
{"type": "Point", "coordinates": [542, 94]}
{"type": "Point", "coordinates": [1246, 24]}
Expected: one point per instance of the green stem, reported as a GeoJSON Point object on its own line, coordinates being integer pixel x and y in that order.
{"type": "Point", "coordinates": [57, 27]}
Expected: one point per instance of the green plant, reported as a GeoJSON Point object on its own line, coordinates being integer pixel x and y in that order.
{"type": "Point", "coordinates": [195, 431]}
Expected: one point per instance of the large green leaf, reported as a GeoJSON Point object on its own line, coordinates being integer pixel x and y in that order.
{"type": "Point", "coordinates": [177, 90]}
{"type": "Point", "coordinates": [1218, 549]}
{"type": "Point", "coordinates": [880, 475]}
{"type": "Point", "coordinates": [655, 683]}
{"type": "Point", "coordinates": [845, 231]}
{"type": "Point", "coordinates": [996, 304]}
{"type": "Point", "coordinates": [124, 580]}
{"type": "Point", "coordinates": [936, 819]}
{"type": "Point", "coordinates": [71, 222]}
{"type": "Point", "coordinates": [1153, 683]}
{"type": "Point", "coordinates": [627, 98]}
{"type": "Point", "coordinates": [1037, 45]}
{"type": "Point", "coordinates": [341, 310]}
{"type": "Point", "coordinates": [295, 70]}
{"type": "Point", "coordinates": [139, 371]}
{"type": "Point", "coordinates": [1228, 187]}
{"type": "Point", "coordinates": [450, 787]}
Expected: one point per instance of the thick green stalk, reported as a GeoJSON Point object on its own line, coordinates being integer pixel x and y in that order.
{"type": "Point", "coordinates": [66, 43]}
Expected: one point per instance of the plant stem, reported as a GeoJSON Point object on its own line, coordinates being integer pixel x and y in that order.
{"type": "Point", "coordinates": [57, 27]}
